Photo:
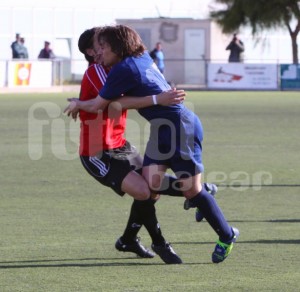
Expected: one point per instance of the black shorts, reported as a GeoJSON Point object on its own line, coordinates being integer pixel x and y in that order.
{"type": "Point", "coordinates": [110, 167]}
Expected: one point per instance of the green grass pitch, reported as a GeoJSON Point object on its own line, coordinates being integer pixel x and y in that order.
{"type": "Point", "coordinates": [58, 225]}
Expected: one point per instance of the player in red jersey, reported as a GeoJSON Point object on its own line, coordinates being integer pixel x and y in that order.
{"type": "Point", "coordinates": [111, 160]}
{"type": "Point", "coordinates": [100, 132]}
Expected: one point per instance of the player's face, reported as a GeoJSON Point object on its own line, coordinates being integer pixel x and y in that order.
{"type": "Point", "coordinates": [97, 53]}
{"type": "Point", "coordinates": [109, 58]}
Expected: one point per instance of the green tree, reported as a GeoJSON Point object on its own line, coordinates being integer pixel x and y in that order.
{"type": "Point", "coordinates": [260, 15]}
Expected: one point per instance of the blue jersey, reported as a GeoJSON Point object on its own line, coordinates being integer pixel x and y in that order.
{"type": "Point", "coordinates": [138, 76]}
{"type": "Point", "coordinates": [175, 133]}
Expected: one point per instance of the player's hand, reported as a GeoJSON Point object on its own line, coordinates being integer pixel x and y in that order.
{"type": "Point", "coordinates": [171, 97]}
{"type": "Point", "coordinates": [72, 109]}
{"type": "Point", "coordinates": [75, 115]}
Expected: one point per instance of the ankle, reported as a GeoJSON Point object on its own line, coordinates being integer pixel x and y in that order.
{"type": "Point", "coordinates": [227, 239]}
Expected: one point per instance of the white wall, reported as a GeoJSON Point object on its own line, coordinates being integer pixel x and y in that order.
{"type": "Point", "coordinates": [61, 19]}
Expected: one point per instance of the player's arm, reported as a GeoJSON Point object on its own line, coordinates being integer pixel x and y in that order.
{"type": "Point", "coordinates": [93, 105]}
{"type": "Point", "coordinates": [166, 98]}
{"type": "Point", "coordinates": [97, 104]}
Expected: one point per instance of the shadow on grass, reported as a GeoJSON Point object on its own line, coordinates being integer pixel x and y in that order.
{"type": "Point", "coordinates": [259, 241]}
{"type": "Point", "coordinates": [79, 265]}
{"type": "Point", "coordinates": [258, 185]}
{"type": "Point", "coordinates": [285, 221]}
{"type": "Point", "coordinates": [267, 221]}
{"type": "Point", "coordinates": [272, 241]}
{"type": "Point", "coordinates": [57, 264]}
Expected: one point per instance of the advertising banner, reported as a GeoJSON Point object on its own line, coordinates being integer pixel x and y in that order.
{"type": "Point", "coordinates": [242, 76]}
{"type": "Point", "coordinates": [290, 76]}
{"type": "Point", "coordinates": [33, 74]}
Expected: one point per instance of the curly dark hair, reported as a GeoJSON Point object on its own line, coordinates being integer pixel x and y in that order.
{"type": "Point", "coordinates": [123, 40]}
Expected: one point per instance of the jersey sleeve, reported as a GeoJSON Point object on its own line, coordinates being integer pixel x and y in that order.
{"type": "Point", "coordinates": [119, 81]}
{"type": "Point", "coordinates": [92, 82]}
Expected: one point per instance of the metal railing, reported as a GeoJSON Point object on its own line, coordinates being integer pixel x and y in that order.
{"type": "Point", "coordinates": [192, 74]}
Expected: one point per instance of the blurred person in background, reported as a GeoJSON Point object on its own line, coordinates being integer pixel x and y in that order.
{"type": "Point", "coordinates": [236, 48]}
{"type": "Point", "coordinates": [46, 52]}
{"type": "Point", "coordinates": [158, 57]}
{"type": "Point", "coordinates": [23, 50]}
{"type": "Point", "coordinates": [16, 47]}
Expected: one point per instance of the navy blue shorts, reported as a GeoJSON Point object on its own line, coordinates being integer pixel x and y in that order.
{"type": "Point", "coordinates": [176, 143]}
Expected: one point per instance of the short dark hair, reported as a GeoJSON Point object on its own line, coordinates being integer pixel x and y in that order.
{"type": "Point", "coordinates": [85, 42]}
{"type": "Point", "coordinates": [124, 41]}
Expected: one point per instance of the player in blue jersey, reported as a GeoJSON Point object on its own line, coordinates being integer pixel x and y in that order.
{"type": "Point", "coordinates": [176, 133]}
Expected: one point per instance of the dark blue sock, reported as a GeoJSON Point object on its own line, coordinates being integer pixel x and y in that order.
{"type": "Point", "coordinates": [170, 186]}
{"type": "Point", "coordinates": [213, 214]}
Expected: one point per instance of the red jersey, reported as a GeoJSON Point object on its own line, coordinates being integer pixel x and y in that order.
{"type": "Point", "coordinates": [98, 131]}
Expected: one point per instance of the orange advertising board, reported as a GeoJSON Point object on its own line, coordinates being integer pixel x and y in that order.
{"type": "Point", "coordinates": [31, 74]}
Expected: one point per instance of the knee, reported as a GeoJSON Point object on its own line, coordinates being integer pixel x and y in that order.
{"type": "Point", "coordinates": [192, 192]}
{"type": "Point", "coordinates": [154, 175]}
{"type": "Point", "coordinates": [143, 194]}
{"type": "Point", "coordinates": [135, 186]}
{"type": "Point", "coordinates": [141, 190]}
